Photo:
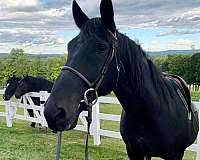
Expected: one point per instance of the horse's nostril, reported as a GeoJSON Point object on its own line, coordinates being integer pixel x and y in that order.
{"type": "Point", "coordinates": [61, 113]}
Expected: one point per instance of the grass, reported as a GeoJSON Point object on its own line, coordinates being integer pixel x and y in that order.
{"type": "Point", "coordinates": [195, 95]}
{"type": "Point", "coordinates": [21, 142]}
{"type": "Point", "coordinates": [25, 143]}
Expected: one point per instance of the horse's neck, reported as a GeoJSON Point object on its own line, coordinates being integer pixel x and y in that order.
{"type": "Point", "coordinates": [132, 88]}
{"type": "Point", "coordinates": [136, 102]}
{"type": "Point", "coordinates": [48, 86]}
{"type": "Point", "coordinates": [44, 86]}
{"type": "Point", "coordinates": [127, 97]}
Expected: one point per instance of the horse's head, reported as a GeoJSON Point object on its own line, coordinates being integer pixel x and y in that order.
{"type": "Point", "coordinates": [12, 84]}
{"type": "Point", "coordinates": [92, 63]}
{"type": "Point", "coordinates": [23, 87]}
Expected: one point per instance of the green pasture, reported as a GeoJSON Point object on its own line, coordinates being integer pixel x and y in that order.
{"type": "Point", "coordinates": [195, 95]}
{"type": "Point", "coordinates": [21, 142]}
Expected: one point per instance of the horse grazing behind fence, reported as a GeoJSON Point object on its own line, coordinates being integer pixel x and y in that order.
{"type": "Point", "coordinates": [12, 84]}
{"type": "Point", "coordinates": [158, 119]}
{"type": "Point", "coordinates": [33, 84]}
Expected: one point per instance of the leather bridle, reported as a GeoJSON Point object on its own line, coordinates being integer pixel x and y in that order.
{"type": "Point", "coordinates": [97, 82]}
{"type": "Point", "coordinates": [93, 86]}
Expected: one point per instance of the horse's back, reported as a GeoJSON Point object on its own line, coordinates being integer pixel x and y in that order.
{"type": "Point", "coordinates": [182, 85]}
{"type": "Point", "coordinates": [193, 119]}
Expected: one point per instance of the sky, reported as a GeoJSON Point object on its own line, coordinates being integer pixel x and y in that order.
{"type": "Point", "coordinates": [46, 26]}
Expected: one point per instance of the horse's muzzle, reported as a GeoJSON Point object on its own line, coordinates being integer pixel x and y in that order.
{"type": "Point", "coordinates": [6, 98]}
{"type": "Point", "coordinates": [55, 117]}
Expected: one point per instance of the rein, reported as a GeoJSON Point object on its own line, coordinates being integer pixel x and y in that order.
{"type": "Point", "coordinates": [58, 147]}
{"type": "Point", "coordinates": [91, 95]}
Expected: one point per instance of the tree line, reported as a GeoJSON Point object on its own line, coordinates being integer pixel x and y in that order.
{"type": "Point", "coordinates": [20, 63]}
{"type": "Point", "coordinates": [185, 66]}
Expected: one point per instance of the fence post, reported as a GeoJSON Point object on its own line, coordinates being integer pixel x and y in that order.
{"type": "Point", "coordinates": [43, 98]}
{"type": "Point", "coordinates": [26, 115]}
{"type": "Point", "coordinates": [96, 124]}
{"type": "Point", "coordinates": [8, 113]}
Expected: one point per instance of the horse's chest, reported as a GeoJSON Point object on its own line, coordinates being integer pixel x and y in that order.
{"type": "Point", "coordinates": [135, 136]}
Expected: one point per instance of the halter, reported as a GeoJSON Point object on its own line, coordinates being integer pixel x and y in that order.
{"type": "Point", "coordinates": [97, 82]}
{"type": "Point", "coordinates": [93, 87]}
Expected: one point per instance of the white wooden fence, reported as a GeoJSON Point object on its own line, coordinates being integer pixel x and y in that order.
{"type": "Point", "coordinates": [194, 87]}
{"type": "Point", "coordinates": [10, 109]}
{"type": "Point", "coordinates": [96, 131]}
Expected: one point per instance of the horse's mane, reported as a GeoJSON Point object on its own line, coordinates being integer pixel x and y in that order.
{"type": "Point", "coordinates": [139, 64]}
{"type": "Point", "coordinates": [39, 83]}
{"type": "Point", "coordinates": [13, 79]}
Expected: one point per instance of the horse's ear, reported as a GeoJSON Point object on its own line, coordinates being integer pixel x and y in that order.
{"type": "Point", "coordinates": [107, 15]}
{"type": "Point", "coordinates": [79, 16]}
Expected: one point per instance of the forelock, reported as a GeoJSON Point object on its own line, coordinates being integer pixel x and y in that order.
{"type": "Point", "coordinates": [93, 27]}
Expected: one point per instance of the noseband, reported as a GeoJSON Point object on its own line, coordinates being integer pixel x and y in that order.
{"type": "Point", "coordinates": [90, 100]}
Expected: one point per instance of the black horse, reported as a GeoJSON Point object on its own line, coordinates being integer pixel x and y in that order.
{"type": "Point", "coordinates": [12, 84]}
{"type": "Point", "coordinates": [32, 84]}
{"type": "Point", "coordinates": [157, 118]}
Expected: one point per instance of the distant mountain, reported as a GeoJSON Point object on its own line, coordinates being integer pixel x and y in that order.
{"type": "Point", "coordinates": [152, 53]}
{"type": "Point", "coordinates": [44, 56]}
{"type": "Point", "coordinates": [3, 55]}
{"type": "Point", "coordinates": [171, 52]}
{"type": "Point", "coordinates": [32, 56]}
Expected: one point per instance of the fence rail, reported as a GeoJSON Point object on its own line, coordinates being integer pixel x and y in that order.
{"type": "Point", "coordinates": [96, 130]}
{"type": "Point", "coordinates": [194, 87]}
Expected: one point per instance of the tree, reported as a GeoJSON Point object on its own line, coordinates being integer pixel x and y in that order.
{"type": "Point", "coordinates": [17, 52]}
{"type": "Point", "coordinates": [175, 64]}
{"type": "Point", "coordinates": [159, 61]}
{"type": "Point", "coordinates": [39, 67]}
{"type": "Point", "coordinates": [53, 65]}
{"type": "Point", "coordinates": [18, 62]}
{"type": "Point", "coordinates": [2, 73]}
{"type": "Point", "coordinates": [193, 69]}
{"type": "Point", "coordinates": [21, 64]}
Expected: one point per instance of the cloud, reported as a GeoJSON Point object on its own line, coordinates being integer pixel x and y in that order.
{"type": "Point", "coordinates": [18, 3]}
{"type": "Point", "coordinates": [30, 37]}
{"type": "Point", "coordinates": [156, 13]}
{"type": "Point", "coordinates": [177, 32]}
{"type": "Point", "coordinates": [184, 42]}
{"type": "Point", "coordinates": [134, 14]}
{"type": "Point", "coordinates": [40, 22]}
{"type": "Point", "coordinates": [154, 42]}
